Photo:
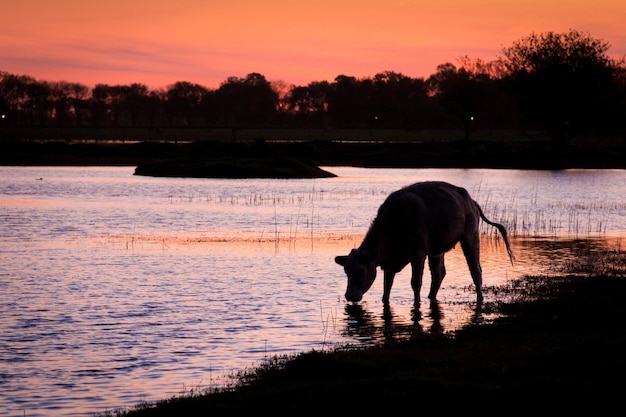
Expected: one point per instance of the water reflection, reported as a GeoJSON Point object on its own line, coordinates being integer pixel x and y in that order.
{"type": "Point", "coordinates": [365, 326]}
{"type": "Point", "coordinates": [369, 324]}
{"type": "Point", "coordinates": [566, 254]}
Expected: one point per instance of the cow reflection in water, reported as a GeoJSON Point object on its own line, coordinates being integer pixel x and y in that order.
{"type": "Point", "coordinates": [369, 328]}
{"type": "Point", "coordinates": [426, 219]}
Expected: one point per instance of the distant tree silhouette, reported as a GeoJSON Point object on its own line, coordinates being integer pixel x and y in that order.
{"type": "Point", "coordinates": [24, 98]}
{"type": "Point", "coordinates": [39, 102]}
{"type": "Point", "coordinates": [11, 95]}
{"type": "Point", "coordinates": [156, 108]}
{"type": "Point", "coordinates": [282, 116]}
{"type": "Point", "coordinates": [562, 80]}
{"type": "Point", "coordinates": [78, 95]}
{"type": "Point", "coordinates": [247, 102]}
{"type": "Point", "coordinates": [461, 92]}
{"type": "Point", "coordinates": [616, 116]}
{"type": "Point", "coordinates": [309, 103]}
{"type": "Point", "coordinates": [60, 93]}
{"type": "Point", "coordinates": [135, 98]}
{"type": "Point", "coordinates": [346, 102]}
{"type": "Point", "coordinates": [210, 108]}
{"type": "Point", "coordinates": [183, 102]}
{"type": "Point", "coordinates": [108, 101]}
{"type": "Point", "coordinates": [397, 100]}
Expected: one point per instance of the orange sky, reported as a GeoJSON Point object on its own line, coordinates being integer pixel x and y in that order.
{"type": "Point", "coordinates": [158, 42]}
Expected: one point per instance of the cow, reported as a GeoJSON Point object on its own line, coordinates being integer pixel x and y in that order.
{"type": "Point", "coordinates": [422, 220]}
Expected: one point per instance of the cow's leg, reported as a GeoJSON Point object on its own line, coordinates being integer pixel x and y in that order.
{"type": "Point", "coordinates": [387, 284]}
{"type": "Point", "coordinates": [471, 249]}
{"type": "Point", "coordinates": [437, 272]}
{"type": "Point", "coordinates": [417, 267]}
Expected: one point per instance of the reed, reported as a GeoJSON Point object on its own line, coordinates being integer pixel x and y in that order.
{"type": "Point", "coordinates": [297, 214]}
{"type": "Point", "coordinates": [566, 219]}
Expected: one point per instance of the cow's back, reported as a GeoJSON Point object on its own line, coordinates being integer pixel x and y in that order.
{"type": "Point", "coordinates": [428, 216]}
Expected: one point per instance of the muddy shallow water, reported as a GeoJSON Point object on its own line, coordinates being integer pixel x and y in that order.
{"type": "Point", "coordinates": [118, 289]}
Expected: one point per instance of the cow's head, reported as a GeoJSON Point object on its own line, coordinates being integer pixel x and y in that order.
{"type": "Point", "coordinates": [360, 267]}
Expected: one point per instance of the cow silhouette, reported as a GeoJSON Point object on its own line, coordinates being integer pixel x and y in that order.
{"type": "Point", "coordinates": [426, 219]}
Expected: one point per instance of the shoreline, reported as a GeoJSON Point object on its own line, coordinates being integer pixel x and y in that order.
{"type": "Point", "coordinates": [226, 158]}
{"type": "Point", "coordinates": [559, 350]}
{"type": "Point", "coordinates": [557, 344]}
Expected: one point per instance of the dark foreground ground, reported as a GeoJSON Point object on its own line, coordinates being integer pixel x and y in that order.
{"type": "Point", "coordinates": [560, 347]}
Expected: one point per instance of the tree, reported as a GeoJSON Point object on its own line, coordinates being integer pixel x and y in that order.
{"type": "Point", "coordinates": [106, 104]}
{"type": "Point", "coordinates": [183, 102]}
{"type": "Point", "coordinates": [396, 100]}
{"type": "Point", "coordinates": [209, 107]}
{"type": "Point", "coordinates": [59, 92]}
{"type": "Point", "coordinates": [309, 103]}
{"type": "Point", "coordinates": [461, 92]}
{"type": "Point", "coordinates": [135, 99]}
{"type": "Point", "coordinates": [39, 102]}
{"type": "Point", "coordinates": [561, 80]}
{"type": "Point", "coordinates": [249, 101]}
{"type": "Point", "coordinates": [25, 100]}
{"type": "Point", "coordinates": [346, 102]}
{"type": "Point", "coordinates": [155, 108]}
{"type": "Point", "coordinates": [79, 97]}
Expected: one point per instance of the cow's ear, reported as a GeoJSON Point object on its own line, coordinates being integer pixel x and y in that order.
{"type": "Point", "coordinates": [341, 260]}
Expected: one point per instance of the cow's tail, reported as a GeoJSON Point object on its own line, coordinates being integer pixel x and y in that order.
{"type": "Point", "coordinates": [502, 230]}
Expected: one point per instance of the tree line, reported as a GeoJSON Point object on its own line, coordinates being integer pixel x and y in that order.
{"type": "Point", "coordinates": [563, 83]}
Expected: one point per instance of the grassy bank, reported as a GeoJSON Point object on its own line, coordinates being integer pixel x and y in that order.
{"type": "Point", "coordinates": [559, 347]}
{"type": "Point", "coordinates": [194, 134]}
{"type": "Point", "coordinates": [380, 150]}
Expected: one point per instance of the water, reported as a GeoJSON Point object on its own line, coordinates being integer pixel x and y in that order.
{"type": "Point", "coordinates": [118, 289]}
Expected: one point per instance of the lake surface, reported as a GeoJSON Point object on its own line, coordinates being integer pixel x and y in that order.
{"type": "Point", "coordinates": [118, 289]}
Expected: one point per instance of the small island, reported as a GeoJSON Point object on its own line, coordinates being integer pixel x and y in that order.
{"type": "Point", "coordinates": [280, 167]}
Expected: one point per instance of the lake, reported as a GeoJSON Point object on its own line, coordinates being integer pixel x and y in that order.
{"type": "Point", "coordinates": [118, 289]}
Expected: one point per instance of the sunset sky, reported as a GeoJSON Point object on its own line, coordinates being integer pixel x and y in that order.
{"type": "Point", "coordinates": [159, 42]}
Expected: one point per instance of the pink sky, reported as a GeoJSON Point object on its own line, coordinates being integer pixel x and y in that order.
{"type": "Point", "coordinates": [159, 42]}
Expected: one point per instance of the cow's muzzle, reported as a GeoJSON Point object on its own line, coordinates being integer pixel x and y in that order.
{"type": "Point", "coordinates": [353, 297]}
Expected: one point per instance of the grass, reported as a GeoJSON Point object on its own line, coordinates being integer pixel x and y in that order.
{"type": "Point", "coordinates": [557, 347]}
{"type": "Point", "coordinates": [576, 219]}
